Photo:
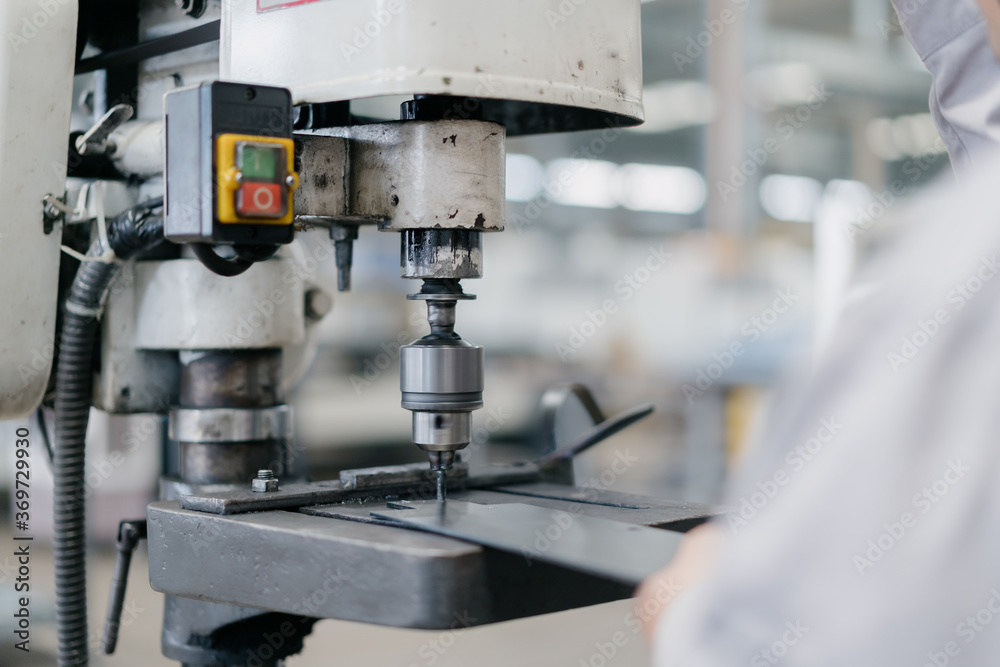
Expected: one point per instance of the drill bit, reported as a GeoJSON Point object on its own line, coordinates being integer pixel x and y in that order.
{"type": "Point", "coordinates": [440, 463]}
{"type": "Point", "coordinates": [441, 473]}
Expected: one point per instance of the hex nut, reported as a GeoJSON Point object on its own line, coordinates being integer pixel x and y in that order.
{"type": "Point", "coordinates": [264, 485]}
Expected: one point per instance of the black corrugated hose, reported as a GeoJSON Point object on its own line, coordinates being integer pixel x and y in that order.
{"type": "Point", "coordinates": [128, 233]}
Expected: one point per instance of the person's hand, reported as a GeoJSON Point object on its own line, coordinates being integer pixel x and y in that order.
{"type": "Point", "coordinates": [693, 561]}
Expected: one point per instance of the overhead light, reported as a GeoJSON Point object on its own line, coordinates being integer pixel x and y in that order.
{"type": "Point", "coordinates": [783, 85]}
{"type": "Point", "coordinates": [582, 183]}
{"type": "Point", "coordinates": [661, 189]}
{"type": "Point", "coordinates": [790, 198]}
{"type": "Point", "coordinates": [913, 135]}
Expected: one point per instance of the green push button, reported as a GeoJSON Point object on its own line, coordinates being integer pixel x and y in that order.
{"type": "Point", "coordinates": [259, 162]}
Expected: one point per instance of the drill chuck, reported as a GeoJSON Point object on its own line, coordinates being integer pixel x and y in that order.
{"type": "Point", "coordinates": [442, 383]}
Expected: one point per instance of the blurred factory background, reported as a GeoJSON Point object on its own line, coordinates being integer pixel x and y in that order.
{"type": "Point", "coordinates": [689, 262]}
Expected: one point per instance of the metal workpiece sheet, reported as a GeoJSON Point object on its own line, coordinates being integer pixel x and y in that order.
{"type": "Point", "coordinates": [618, 551]}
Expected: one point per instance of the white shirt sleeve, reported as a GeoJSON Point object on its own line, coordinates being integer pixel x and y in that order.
{"type": "Point", "coordinates": [951, 39]}
{"type": "Point", "coordinates": [864, 527]}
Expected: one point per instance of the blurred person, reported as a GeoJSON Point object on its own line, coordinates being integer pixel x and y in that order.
{"type": "Point", "coordinates": [864, 522]}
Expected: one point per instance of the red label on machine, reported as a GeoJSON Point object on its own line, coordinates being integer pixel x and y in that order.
{"type": "Point", "coordinates": [271, 5]}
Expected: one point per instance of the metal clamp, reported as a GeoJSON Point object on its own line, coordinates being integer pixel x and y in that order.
{"type": "Point", "coordinates": [230, 424]}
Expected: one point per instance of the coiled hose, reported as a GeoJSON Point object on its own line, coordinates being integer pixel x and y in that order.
{"type": "Point", "coordinates": [128, 233]}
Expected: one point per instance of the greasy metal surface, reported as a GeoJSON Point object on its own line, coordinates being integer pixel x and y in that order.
{"type": "Point", "coordinates": [447, 174]}
{"type": "Point", "coordinates": [290, 562]}
{"type": "Point", "coordinates": [441, 254]}
{"type": "Point", "coordinates": [323, 183]}
{"type": "Point", "coordinates": [648, 511]}
{"type": "Point", "coordinates": [409, 474]}
{"type": "Point", "coordinates": [230, 424]}
{"type": "Point", "coordinates": [231, 379]}
{"type": "Point", "coordinates": [322, 567]}
{"type": "Point", "coordinates": [600, 547]}
{"type": "Point", "coordinates": [634, 510]}
{"type": "Point", "coordinates": [320, 493]}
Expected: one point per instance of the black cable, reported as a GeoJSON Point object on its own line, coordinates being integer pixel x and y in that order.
{"type": "Point", "coordinates": [130, 232]}
{"type": "Point", "coordinates": [130, 55]}
{"type": "Point", "coordinates": [74, 390]}
{"type": "Point", "coordinates": [224, 267]}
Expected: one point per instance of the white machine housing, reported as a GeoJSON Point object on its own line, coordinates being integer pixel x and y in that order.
{"type": "Point", "coordinates": [36, 96]}
{"type": "Point", "coordinates": [583, 54]}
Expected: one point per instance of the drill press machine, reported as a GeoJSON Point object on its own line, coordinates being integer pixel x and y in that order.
{"type": "Point", "coordinates": [263, 136]}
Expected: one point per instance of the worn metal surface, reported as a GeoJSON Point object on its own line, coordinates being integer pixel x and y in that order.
{"type": "Point", "coordinates": [329, 568]}
{"type": "Point", "coordinates": [231, 462]}
{"type": "Point", "coordinates": [635, 510]}
{"type": "Point", "coordinates": [450, 254]}
{"type": "Point", "coordinates": [231, 379]}
{"type": "Point", "coordinates": [182, 305]}
{"type": "Point", "coordinates": [323, 176]}
{"type": "Point", "coordinates": [231, 424]}
{"type": "Point", "coordinates": [576, 65]}
{"type": "Point", "coordinates": [447, 174]}
{"type": "Point", "coordinates": [394, 476]}
{"type": "Point", "coordinates": [290, 562]}
{"type": "Point", "coordinates": [600, 547]}
{"type": "Point", "coordinates": [319, 493]}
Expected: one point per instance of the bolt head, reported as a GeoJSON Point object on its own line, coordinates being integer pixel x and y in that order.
{"type": "Point", "coordinates": [318, 304]}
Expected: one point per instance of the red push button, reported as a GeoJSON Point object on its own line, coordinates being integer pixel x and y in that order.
{"type": "Point", "coordinates": [259, 199]}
